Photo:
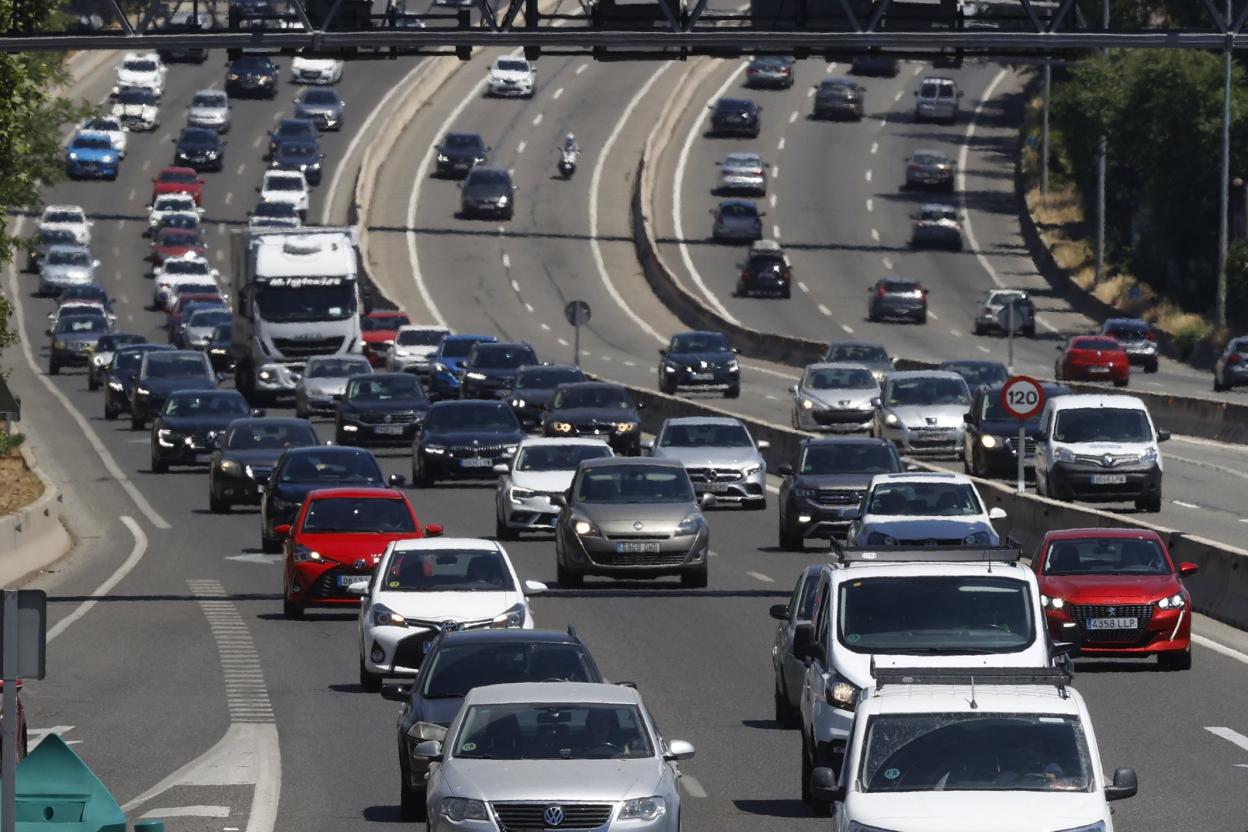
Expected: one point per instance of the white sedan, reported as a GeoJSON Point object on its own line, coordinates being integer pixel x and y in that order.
{"type": "Point", "coordinates": [315, 70]}
{"type": "Point", "coordinates": [190, 270]}
{"type": "Point", "coordinates": [167, 204]}
{"type": "Point", "coordinates": [512, 76]}
{"type": "Point", "coordinates": [288, 186]}
{"type": "Point", "coordinates": [71, 218]}
{"type": "Point", "coordinates": [540, 469]}
{"type": "Point", "coordinates": [421, 587]}
{"type": "Point", "coordinates": [141, 69]}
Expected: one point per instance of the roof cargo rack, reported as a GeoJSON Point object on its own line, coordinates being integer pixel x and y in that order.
{"type": "Point", "coordinates": [926, 554]}
{"type": "Point", "coordinates": [1056, 676]}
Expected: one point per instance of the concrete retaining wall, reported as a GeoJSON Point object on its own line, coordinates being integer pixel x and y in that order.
{"type": "Point", "coordinates": [32, 538]}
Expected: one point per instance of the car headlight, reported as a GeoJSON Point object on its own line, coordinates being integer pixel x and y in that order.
{"type": "Point", "coordinates": [231, 467]}
{"type": "Point", "coordinates": [517, 402]}
{"type": "Point", "coordinates": [509, 450]}
{"type": "Point", "coordinates": [670, 368]}
{"type": "Point", "coordinates": [116, 386]}
{"type": "Point", "coordinates": [1171, 602]}
{"type": "Point", "coordinates": [690, 525]}
{"type": "Point", "coordinates": [439, 367]}
{"type": "Point", "coordinates": [382, 616]}
{"type": "Point", "coordinates": [1148, 457]}
{"type": "Point", "coordinates": [436, 450]}
{"type": "Point", "coordinates": [165, 437]}
{"type": "Point", "coordinates": [58, 344]}
{"type": "Point", "coordinates": [475, 376]}
{"type": "Point", "coordinates": [751, 470]}
{"type": "Point", "coordinates": [733, 366]}
{"type": "Point", "coordinates": [502, 200]}
{"type": "Point", "coordinates": [443, 158]}
{"type": "Point", "coordinates": [1049, 602]}
{"type": "Point", "coordinates": [517, 493]}
{"type": "Point", "coordinates": [562, 427]}
{"type": "Point", "coordinates": [891, 419]}
{"type": "Point", "coordinates": [586, 529]}
{"type": "Point", "coordinates": [460, 808]}
{"type": "Point", "coordinates": [73, 157]}
{"type": "Point", "coordinates": [808, 404]}
{"type": "Point", "coordinates": [427, 731]}
{"type": "Point", "coordinates": [513, 617]}
{"type": "Point", "coordinates": [1063, 455]}
{"type": "Point", "coordinates": [142, 391]}
{"type": "Point", "coordinates": [881, 539]}
{"type": "Point", "coordinates": [626, 427]}
{"type": "Point", "coordinates": [843, 694]}
{"type": "Point", "coordinates": [989, 441]}
{"type": "Point", "coordinates": [266, 375]}
{"type": "Point", "coordinates": [250, 472]}
{"type": "Point", "coordinates": [878, 375]}
{"type": "Point", "coordinates": [305, 554]}
{"type": "Point", "coordinates": [977, 539]}
{"type": "Point", "coordinates": [643, 808]}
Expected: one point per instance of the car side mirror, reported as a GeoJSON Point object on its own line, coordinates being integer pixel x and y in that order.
{"type": "Point", "coordinates": [679, 750]}
{"type": "Point", "coordinates": [501, 468]}
{"type": "Point", "coordinates": [997, 513]}
{"type": "Point", "coordinates": [1125, 785]}
{"type": "Point", "coordinates": [1188, 568]}
{"type": "Point", "coordinates": [431, 749]}
{"type": "Point", "coordinates": [560, 500]}
{"type": "Point", "coordinates": [337, 397]}
{"type": "Point", "coordinates": [433, 530]}
{"type": "Point", "coordinates": [762, 444]}
{"type": "Point", "coordinates": [396, 693]}
{"type": "Point", "coordinates": [648, 446]}
{"type": "Point", "coordinates": [825, 785]}
{"type": "Point", "coordinates": [968, 418]}
{"type": "Point", "coordinates": [663, 351]}
{"type": "Point", "coordinates": [358, 588]}
{"type": "Point", "coordinates": [805, 648]}
{"type": "Point", "coordinates": [534, 587]}
{"type": "Point", "coordinates": [396, 480]}
{"type": "Point", "coordinates": [780, 612]}
{"type": "Point", "coordinates": [258, 412]}
{"type": "Point", "coordinates": [785, 470]}
{"type": "Point", "coordinates": [1163, 435]}
{"type": "Point", "coordinates": [281, 529]}
{"type": "Point", "coordinates": [875, 402]}
{"type": "Point", "coordinates": [706, 500]}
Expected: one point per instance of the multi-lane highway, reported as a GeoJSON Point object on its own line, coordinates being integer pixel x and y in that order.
{"type": "Point", "coordinates": [185, 644]}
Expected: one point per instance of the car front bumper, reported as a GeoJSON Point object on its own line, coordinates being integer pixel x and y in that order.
{"type": "Point", "coordinates": [181, 449]}
{"type": "Point", "coordinates": [1160, 631]}
{"type": "Point", "coordinates": [1076, 479]}
{"type": "Point", "coordinates": [599, 555]}
{"type": "Point", "coordinates": [449, 465]}
{"type": "Point", "coordinates": [833, 420]}
{"type": "Point", "coordinates": [743, 489]}
{"type": "Point", "coordinates": [924, 441]}
{"type": "Point", "coordinates": [71, 357]}
{"type": "Point", "coordinates": [356, 431]}
{"type": "Point", "coordinates": [709, 379]}
{"type": "Point", "coordinates": [86, 169]}
{"type": "Point", "coordinates": [810, 518]}
{"type": "Point", "coordinates": [323, 583]}
{"type": "Point", "coordinates": [244, 488]}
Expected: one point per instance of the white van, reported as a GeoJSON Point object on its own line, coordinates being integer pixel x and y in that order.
{"type": "Point", "coordinates": [937, 99]}
{"type": "Point", "coordinates": [1099, 449]}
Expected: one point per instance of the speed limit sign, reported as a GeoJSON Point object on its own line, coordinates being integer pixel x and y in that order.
{"type": "Point", "coordinates": [1022, 397]}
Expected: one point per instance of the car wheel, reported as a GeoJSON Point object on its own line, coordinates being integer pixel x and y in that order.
{"type": "Point", "coordinates": [790, 541]}
{"type": "Point", "coordinates": [53, 368]}
{"type": "Point", "coordinates": [502, 531]}
{"type": "Point", "coordinates": [291, 609]}
{"type": "Point", "coordinates": [159, 466]}
{"type": "Point", "coordinates": [1121, 382]}
{"type": "Point", "coordinates": [567, 578]}
{"type": "Point", "coordinates": [695, 579]}
{"type": "Point", "coordinates": [1175, 660]}
{"type": "Point", "coordinates": [733, 392]}
{"type": "Point", "coordinates": [421, 478]}
{"type": "Point", "coordinates": [1151, 367]}
{"type": "Point", "coordinates": [922, 319]}
{"type": "Point", "coordinates": [270, 545]}
{"type": "Point", "coordinates": [109, 413]}
{"type": "Point", "coordinates": [820, 808]}
{"type": "Point", "coordinates": [412, 806]}
{"type": "Point", "coordinates": [217, 505]}
{"type": "Point", "coordinates": [784, 715]}
{"type": "Point", "coordinates": [1152, 505]}
{"type": "Point", "coordinates": [371, 682]}
{"type": "Point", "coordinates": [93, 383]}
{"type": "Point", "coordinates": [1030, 332]}
{"type": "Point", "coordinates": [1218, 386]}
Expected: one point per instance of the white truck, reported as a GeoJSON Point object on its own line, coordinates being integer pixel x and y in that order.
{"type": "Point", "coordinates": [296, 294]}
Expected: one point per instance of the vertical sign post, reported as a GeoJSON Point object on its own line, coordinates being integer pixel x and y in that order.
{"type": "Point", "coordinates": [23, 636]}
{"type": "Point", "coordinates": [1022, 397]}
{"type": "Point", "coordinates": [578, 313]}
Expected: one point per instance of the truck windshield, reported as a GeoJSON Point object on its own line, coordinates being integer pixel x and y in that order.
{"type": "Point", "coordinates": [306, 303]}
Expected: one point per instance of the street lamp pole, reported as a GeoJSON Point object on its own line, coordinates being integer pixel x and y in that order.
{"type": "Point", "coordinates": [1044, 132]}
{"type": "Point", "coordinates": [1225, 185]}
{"type": "Point", "coordinates": [1102, 150]}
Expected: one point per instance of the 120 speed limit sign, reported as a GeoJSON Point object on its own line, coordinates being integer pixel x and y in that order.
{"type": "Point", "coordinates": [1022, 397]}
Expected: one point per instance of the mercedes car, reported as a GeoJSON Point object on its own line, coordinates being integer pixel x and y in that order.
{"type": "Point", "coordinates": [720, 457]}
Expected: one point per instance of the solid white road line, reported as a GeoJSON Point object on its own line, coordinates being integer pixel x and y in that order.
{"type": "Point", "coordinates": [1218, 647]}
{"type": "Point", "coordinates": [189, 812]}
{"type": "Point", "coordinates": [1221, 469]}
{"type": "Point", "coordinates": [759, 576]}
{"type": "Point", "coordinates": [132, 560]}
{"type": "Point", "coordinates": [1184, 504]}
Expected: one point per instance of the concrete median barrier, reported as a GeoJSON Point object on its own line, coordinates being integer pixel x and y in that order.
{"type": "Point", "coordinates": [32, 538]}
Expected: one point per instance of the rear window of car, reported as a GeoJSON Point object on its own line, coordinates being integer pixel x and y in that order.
{"type": "Point", "coordinates": [1095, 344]}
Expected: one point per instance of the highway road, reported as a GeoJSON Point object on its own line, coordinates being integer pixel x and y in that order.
{"type": "Point", "coordinates": [168, 636]}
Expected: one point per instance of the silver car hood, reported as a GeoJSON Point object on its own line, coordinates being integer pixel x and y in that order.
{"type": "Point", "coordinates": [696, 457]}
{"type": "Point", "coordinates": [911, 528]}
{"type": "Point", "coordinates": [553, 780]}
{"type": "Point", "coordinates": [847, 399]}
{"type": "Point", "coordinates": [324, 386]}
{"type": "Point", "coordinates": [549, 481]}
{"type": "Point", "coordinates": [919, 415]}
{"type": "Point", "coordinates": [207, 112]}
{"type": "Point", "coordinates": [616, 518]}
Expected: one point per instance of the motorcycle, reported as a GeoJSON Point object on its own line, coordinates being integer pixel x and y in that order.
{"type": "Point", "coordinates": [567, 163]}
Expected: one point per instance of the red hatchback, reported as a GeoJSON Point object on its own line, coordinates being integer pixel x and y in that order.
{"type": "Point", "coordinates": [170, 243]}
{"type": "Point", "coordinates": [336, 540]}
{"type": "Point", "coordinates": [1122, 590]}
{"type": "Point", "coordinates": [380, 328]}
{"type": "Point", "coordinates": [1093, 358]}
{"type": "Point", "coordinates": [176, 180]}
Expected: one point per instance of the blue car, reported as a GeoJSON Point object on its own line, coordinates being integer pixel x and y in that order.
{"type": "Point", "coordinates": [447, 365]}
{"type": "Point", "coordinates": [91, 155]}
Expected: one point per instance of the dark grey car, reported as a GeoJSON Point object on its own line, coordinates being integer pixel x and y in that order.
{"type": "Point", "coordinates": [320, 105]}
{"type": "Point", "coordinates": [487, 191]}
{"type": "Point", "coordinates": [789, 669]}
{"type": "Point", "coordinates": [838, 98]}
{"type": "Point", "coordinates": [897, 297]}
{"type": "Point", "coordinates": [1231, 369]}
{"type": "Point", "coordinates": [931, 169]}
{"type": "Point", "coordinates": [737, 220]}
{"type": "Point", "coordinates": [1138, 338]}
{"type": "Point", "coordinates": [869, 354]}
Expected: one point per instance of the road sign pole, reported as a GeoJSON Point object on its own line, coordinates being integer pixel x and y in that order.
{"type": "Point", "coordinates": [1010, 336]}
{"type": "Point", "coordinates": [576, 349]}
{"type": "Point", "coordinates": [1022, 449]}
{"type": "Point", "coordinates": [8, 752]}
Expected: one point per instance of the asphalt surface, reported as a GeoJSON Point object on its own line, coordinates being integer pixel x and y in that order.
{"type": "Point", "coordinates": [138, 676]}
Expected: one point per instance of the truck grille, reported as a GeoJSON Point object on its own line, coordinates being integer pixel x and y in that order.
{"type": "Point", "coordinates": [1082, 612]}
{"type": "Point", "coordinates": [307, 347]}
{"type": "Point", "coordinates": [513, 817]}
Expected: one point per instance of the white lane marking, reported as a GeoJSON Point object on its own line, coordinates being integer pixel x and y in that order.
{"type": "Point", "coordinates": [1184, 504]}
{"type": "Point", "coordinates": [759, 576]}
{"type": "Point", "coordinates": [982, 348]}
{"type": "Point", "coordinates": [229, 197]}
{"type": "Point", "coordinates": [771, 200]}
{"type": "Point", "coordinates": [1230, 735]}
{"type": "Point", "coordinates": [803, 286]}
{"type": "Point", "coordinates": [277, 116]}
{"type": "Point", "coordinates": [502, 229]}
{"type": "Point", "coordinates": [220, 229]}
{"type": "Point", "coordinates": [883, 122]}
{"type": "Point", "coordinates": [825, 310]}
{"type": "Point", "coordinates": [563, 342]}
{"type": "Point", "coordinates": [507, 265]}
{"type": "Point", "coordinates": [870, 204]}
{"type": "Point", "coordinates": [254, 557]}
{"type": "Point", "coordinates": [220, 254]}
{"type": "Point", "coordinates": [875, 147]}
{"type": "Point", "coordinates": [121, 225]}
{"type": "Point", "coordinates": [110, 464]}
{"type": "Point", "coordinates": [793, 116]}
{"type": "Point", "coordinates": [595, 182]}
{"type": "Point", "coordinates": [775, 171]}
{"type": "Point", "coordinates": [687, 781]}
{"type": "Point", "coordinates": [956, 333]}
{"type": "Point", "coordinates": [510, 172]}
{"type": "Point", "coordinates": [775, 231]}
{"type": "Point", "coordinates": [189, 812]}
{"type": "Point", "coordinates": [558, 93]}
{"type": "Point", "coordinates": [528, 307]}
{"type": "Point", "coordinates": [899, 94]}
{"type": "Point", "coordinates": [678, 221]}
{"type": "Point", "coordinates": [237, 651]}
{"type": "Point", "coordinates": [933, 315]}
{"type": "Point", "coordinates": [239, 170]}
{"type": "Point", "coordinates": [38, 735]}
{"type": "Point", "coordinates": [166, 139]}
{"type": "Point", "coordinates": [769, 397]}
{"type": "Point", "coordinates": [888, 264]}
{"type": "Point", "coordinates": [1243, 519]}
{"type": "Point", "coordinates": [537, 119]}
{"type": "Point", "coordinates": [587, 353]}
{"type": "Point", "coordinates": [1218, 647]}
{"type": "Point", "coordinates": [848, 329]}
{"type": "Point", "coordinates": [810, 93]}
{"type": "Point", "coordinates": [967, 225]}
{"type": "Point", "coordinates": [875, 235]}
{"type": "Point", "coordinates": [780, 144]}
{"type": "Point", "coordinates": [520, 147]}
{"type": "Point", "coordinates": [132, 560]}
{"type": "Point", "coordinates": [546, 327]}
{"type": "Point", "coordinates": [1222, 469]}
{"type": "Point", "coordinates": [868, 175]}
{"type": "Point", "coordinates": [515, 287]}
{"type": "Point", "coordinates": [131, 195]}
{"type": "Point", "coordinates": [256, 142]}
{"type": "Point", "coordinates": [117, 253]}
{"type": "Point", "coordinates": [147, 163]}
{"type": "Point", "coordinates": [917, 69]}
{"type": "Point", "coordinates": [830, 68]}
{"type": "Point", "coordinates": [630, 363]}
{"type": "Point", "coordinates": [581, 68]}
{"type": "Point", "coordinates": [606, 357]}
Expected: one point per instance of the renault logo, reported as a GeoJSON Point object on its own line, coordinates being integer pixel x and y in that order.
{"type": "Point", "coordinates": [1107, 461]}
{"type": "Point", "coordinates": [553, 815]}
{"type": "Point", "coordinates": [637, 525]}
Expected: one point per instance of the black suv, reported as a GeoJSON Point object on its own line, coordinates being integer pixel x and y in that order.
{"type": "Point", "coordinates": [253, 76]}
{"type": "Point", "coordinates": [490, 369]}
{"type": "Point", "coordinates": [766, 271]}
{"type": "Point", "coordinates": [461, 152]}
{"type": "Point", "coordinates": [533, 387]}
{"type": "Point", "coordinates": [199, 148]}
{"type": "Point", "coordinates": [735, 117]}
{"type": "Point", "coordinates": [990, 440]}
{"type": "Point", "coordinates": [487, 191]}
{"type": "Point", "coordinates": [820, 498]}
{"type": "Point", "coordinates": [699, 361]}
{"type": "Point", "coordinates": [302, 130]}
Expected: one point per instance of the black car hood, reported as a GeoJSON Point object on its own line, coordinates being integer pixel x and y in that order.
{"type": "Point", "coordinates": [286, 157]}
{"type": "Point", "coordinates": [1008, 427]}
{"type": "Point", "coordinates": [832, 481]}
{"type": "Point", "coordinates": [77, 337]}
{"type": "Point", "coordinates": [601, 415]}
{"type": "Point", "coordinates": [388, 406]}
{"type": "Point", "coordinates": [438, 711]}
{"type": "Point", "coordinates": [460, 154]}
{"type": "Point", "coordinates": [535, 397]}
{"type": "Point", "coordinates": [494, 372]}
{"type": "Point", "coordinates": [296, 491]}
{"type": "Point", "coordinates": [165, 386]}
{"type": "Point", "coordinates": [695, 357]}
{"type": "Point", "coordinates": [467, 437]}
{"type": "Point", "coordinates": [485, 192]}
{"type": "Point", "coordinates": [197, 147]}
{"type": "Point", "coordinates": [199, 424]}
{"type": "Point", "coordinates": [264, 457]}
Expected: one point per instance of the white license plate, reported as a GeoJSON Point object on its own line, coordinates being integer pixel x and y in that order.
{"type": "Point", "coordinates": [1098, 369]}
{"type": "Point", "coordinates": [625, 548]}
{"type": "Point", "coordinates": [390, 430]}
{"type": "Point", "coordinates": [1109, 479]}
{"type": "Point", "coordinates": [717, 487]}
{"type": "Point", "coordinates": [1113, 623]}
{"type": "Point", "coordinates": [347, 580]}
{"type": "Point", "coordinates": [702, 377]}
{"type": "Point", "coordinates": [477, 462]}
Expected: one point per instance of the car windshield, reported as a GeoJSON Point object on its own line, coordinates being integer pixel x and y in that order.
{"type": "Point", "coordinates": [1127, 332]}
{"type": "Point", "coordinates": [548, 379]}
{"type": "Point", "coordinates": [287, 304]}
{"type": "Point", "coordinates": [336, 367]}
{"type": "Point", "coordinates": [137, 95]}
{"type": "Point", "coordinates": [419, 337]}
{"type": "Point", "coordinates": [112, 342]}
{"type": "Point", "coordinates": [179, 239]}
{"type": "Point", "coordinates": [743, 160]}
{"type": "Point", "coordinates": [320, 97]}
{"type": "Point", "coordinates": [339, 515]}
{"type": "Point", "coordinates": [502, 358]}
{"type": "Point", "coordinates": [457, 347]}
{"type": "Point", "coordinates": [977, 373]}
{"type": "Point", "coordinates": [382, 323]}
{"type": "Point", "coordinates": [140, 65]}
{"type": "Point", "coordinates": [270, 435]}
{"type": "Point", "coordinates": [899, 287]}
{"type": "Point", "coordinates": [1102, 424]}
{"type": "Point", "coordinates": [850, 458]}
{"type": "Point", "coordinates": [210, 318]}
{"type": "Point", "coordinates": [1106, 556]}
{"type": "Point", "coordinates": [296, 149]}
{"type": "Point", "coordinates": [839, 378]}
{"type": "Point", "coordinates": [79, 324]}
{"type": "Point", "coordinates": [274, 209]}
{"type": "Point", "coordinates": [180, 177]}
{"type": "Point", "coordinates": [513, 66]}
{"type": "Point", "coordinates": [951, 752]}
{"type": "Point", "coordinates": [927, 391]}
{"type": "Point", "coordinates": [526, 731]}
{"type": "Point", "coordinates": [293, 128]}
{"type": "Point", "coordinates": [737, 209]}
{"type": "Point", "coordinates": [106, 124]}
{"type": "Point", "coordinates": [128, 360]}
{"type": "Point", "coordinates": [929, 159]}
{"type": "Point", "coordinates": [198, 135]}
{"type": "Point", "coordinates": [385, 388]}
{"type": "Point", "coordinates": [559, 457]}
{"type": "Point", "coordinates": [733, 105]}
{"type": "Point", "coordinates": [634, 484]}
{"type": "Point", "coordinates": [462, 141]}
{"type": "Point", "coordinates": [493, 417]}
{"type": "Point", "coordinates": [173, 203]}
{"type": "Point", "coordinates": [186, 266]}
{"type": "Point", "coordinates": [857, 352]}
{"type": "Point", "coordinates": [210, 99]}
{"type": "Point", "coordinates": [177, 366]}
{"type": "Point", "coordinates": [599, 397]}
{"type": "Point", "coordinates": [68, 258]}
{"type": "Point", "coordinates": [283, 183]}
{"type": "Point", "coordinates": [936, 214]}
{"type": "Point", "coordinates": [223, 334]}
{"type": "Point", "coordinates": [64, 217]}
{"type": "Point", "coordinates": [207, 404]}
{"type": "Point", "coordinates": [447, 570]}
{"type": "Point", "coordinates": [56, 236]}
{"type": "Point", "coordinates": [328, 466]}
{"type": "Point", "coordinates": [705, 436]}
{"type": "Point", "coordinates": [92, 143]}
{"type": "Point", "coordinates": [925, 499]}
{"type": "Point", "coordinates": [488, 178]}
{"type": "Point", "coordinates": [935, 614]}
{"type": "Point", "coordinates": [252, 65]}
{"type": "Point", "coordinates": [454, 670]}
{"type": "Point", "coordinates": [700, 342]}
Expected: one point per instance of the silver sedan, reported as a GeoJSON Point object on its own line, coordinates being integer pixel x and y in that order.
{"type": "Point", "coordinates": [719, 455]}
{"type": "Point", "coordinates": [64, 266]}
{"type": "Point", "coordinates": [324, 380]}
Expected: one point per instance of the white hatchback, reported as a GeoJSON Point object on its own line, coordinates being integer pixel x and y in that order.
{"type": "Point", "coordinates": [422, 587]}
{"type": "Point", "coordinates": [288, 186]}
{"type": "Point", "coordinates": [512, 76]}
{"type": "Point", "coordinates": [315, 70]}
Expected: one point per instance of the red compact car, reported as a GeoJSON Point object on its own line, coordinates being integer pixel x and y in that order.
{"type": "Point", "coordinates": [1121, 589]}
{"type": "Point", "coordinates": [173, 315]}
{"type": "Point", "coordinates": [176, 242]}
{"type": "Point", "coordinates": [336, 540]}
{"type": "Point", "coordinates": [175, 180]}
{"type": "Point", "coordinates": [380, 327]}
{"type": "Point", "coordinates": [1093, 358]}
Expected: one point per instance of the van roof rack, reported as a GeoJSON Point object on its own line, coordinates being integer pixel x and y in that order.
{"type": "Point", "coordinates": [925, 554]}
{"type": "Point", "coordinates": [1055, 676]}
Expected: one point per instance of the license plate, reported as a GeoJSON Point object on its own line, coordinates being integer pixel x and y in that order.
{"type": "Point", "coordinates": [717, 487]}
{"type": "Point", "coordinates": [1109, 479]}
{"type": "Point", "coordinates": [1098, 369]}
{"type": "Point", "coordinates": [346, 580]}
{"type": "Point", "coordinates": [634, 548]}
{"type": "Point", "coordinates": [1113, 623]}
{"type": "Point", "coordinates": [477, 462]}
{"type": "Point", "coordinates": [390, 430]}
{"type": "Point", "coordinates": [702, 377]}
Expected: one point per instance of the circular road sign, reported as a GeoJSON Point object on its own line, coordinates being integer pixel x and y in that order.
{"type": "Point", "coordinates": [1022, 397]}
{"type": "Point", "coordinates": [577, 312]}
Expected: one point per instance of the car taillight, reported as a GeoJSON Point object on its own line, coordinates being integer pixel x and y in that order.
{"type": "Point", "coordinates": [879, 290]}
{"type": "Point", "coordinates": [1234, 358]}
{"type": "Point", "coordinates": [757, 171]}
{"type": "Point", "coordinates": [745, 274]}
{"type": "Point", "coordinates": [1150, 335]}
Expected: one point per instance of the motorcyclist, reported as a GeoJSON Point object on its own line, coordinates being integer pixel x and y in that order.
{"type": "Point", "coordinates": [570, 146]}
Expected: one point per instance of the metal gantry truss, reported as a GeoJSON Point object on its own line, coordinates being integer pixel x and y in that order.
{"type": "Point", "coordinates": [626, 29]}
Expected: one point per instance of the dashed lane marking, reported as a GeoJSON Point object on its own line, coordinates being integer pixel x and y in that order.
{"type": "Point", "coordinates": [1184, 504]}
{"type": "Point", "coordinates": [759, 576]}
{"type": "Point", "coordinates": [256, 142]}
{"type": "Point", "coordinates": [867, 176]}
{"type": "Point", "coordinates": [558, 93]}
{"type": "Point", "coordinates": [147, 163]}
{"type": "Point", "coordinates": [801, 285]}
{"type": "Point", "coordinates": [131, 196]}
{"type": "Point", "coordinates": [870, 204]}
{"type": "Point", "coordinates": [780, 144]}
{"type": "Point", "coordinates": [630, 363]}
{"type": "Point", "coordinates": [888, 264]}
{"type": "Point", "coordinates": [810, 93]}
{"type": "Point", "coordinates": [546, 327]}
{"type": "Point", "coordinates": [515, 287]}
{"type": "Point", "coordinates": [117, 253]}
{"type": "Point", "coordinates": [982, 348]}
{"type": "Point", "coordinates": [793, 116]}
{"type": "Point", "coordinates": [529, 308]}
{"type": "Point", "coordinates": [769, 397]}
{"type": "Point", "coordinates": [917, 69]}
{"type": "Point", "coordinates": [239, 170]}
{"type": "Point", "coordinates": [875, 147]}
{"type": "Point", "coordinates": [520, 147]}
{"type": "Point", "coordinates": [563, 342]}
{"type": "Point", "coordinates": [933, 315]}
{"type": "Point", "coordinates": [606, 357]}
{"type": "Point", "coordinates": [229, 197]}
{"type": "Point", "coordinates": [537, 119]}
{"type": "Point", "coordinates": [875, 235]}
{"type": "Point", "coordinates": [189, 812]}
{"type": "Point", "coordinates": [507, 265]}
{"type": "Point", "coordinates": [849, 330]}
{"type": "Point", "coordinates": [825, 310]}
{"type": "Point", "coordinates": [771, 200]}
{"type": "Point", "coordinates": [899, 94]}
{"type": "Point", "coordinates": [581, 68]}
{"type": "Point", "coordinates": [956, 333]}
{"type": "Point", "coordinates": [775, 171]}
{"type": "Point", "coordinates": [775, 231]}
